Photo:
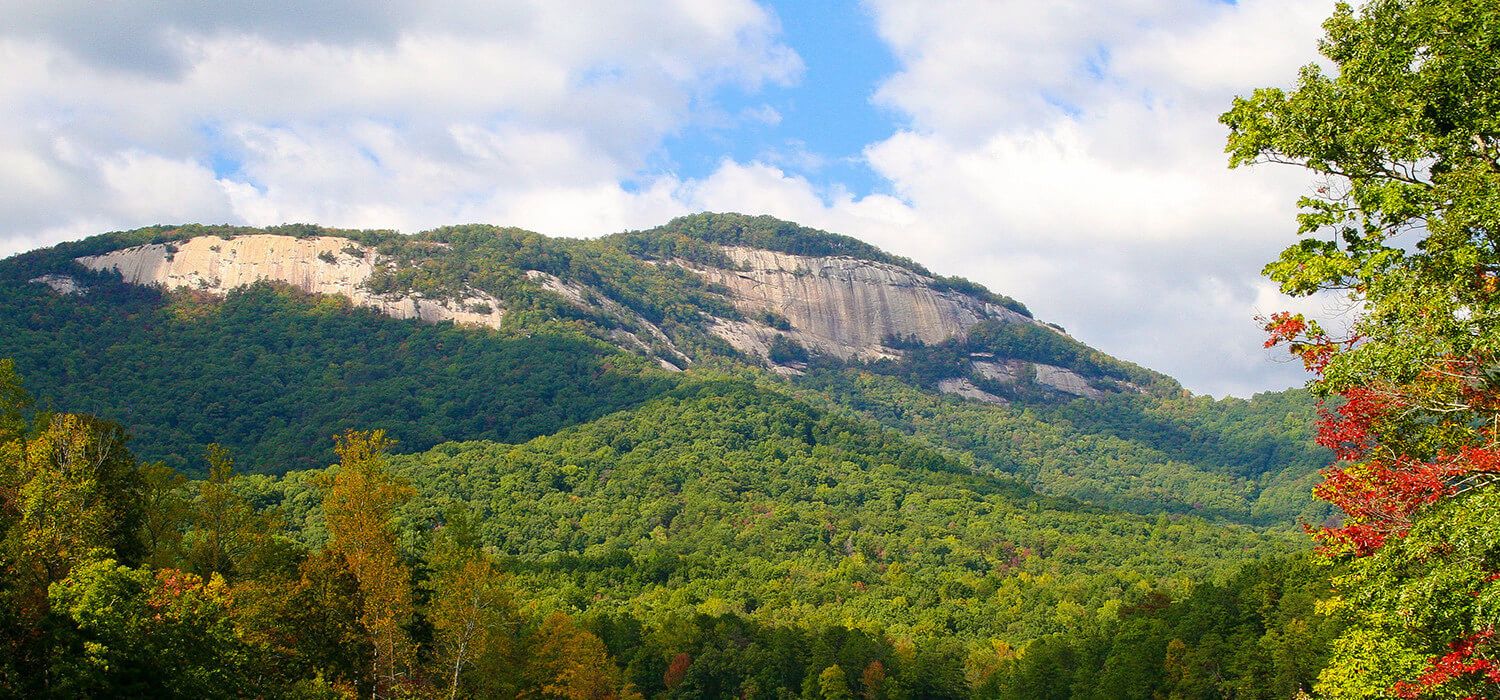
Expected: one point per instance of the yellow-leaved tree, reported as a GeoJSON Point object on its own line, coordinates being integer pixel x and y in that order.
{"type": "Point", "coordinates": [358, 506]}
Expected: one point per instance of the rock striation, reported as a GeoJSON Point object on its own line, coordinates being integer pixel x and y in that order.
{"type": "Point", "coordinates": [317, 265]}
{"type": "Point", "coordinates": [842, 306]}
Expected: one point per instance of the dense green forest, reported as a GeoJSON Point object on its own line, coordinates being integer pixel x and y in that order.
{"type": "Point", "coordinates": [724, 538]}
{"type": "Point", "coordinates": [1244, 460]}
{"type": "Point", "coordinates": [270, 373]}
{"type": "Point", "coordinates": [272, 494]}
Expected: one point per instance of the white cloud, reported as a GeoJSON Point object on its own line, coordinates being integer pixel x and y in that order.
{"type": "Point", "coordinates": [1065, 153]}
{"type": "Point", "coordinates": [1069, 154]}
{"type": "Point", "coordinates": [397, 114]}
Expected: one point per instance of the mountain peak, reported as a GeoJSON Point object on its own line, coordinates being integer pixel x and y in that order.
{"type": "Point", "coordinates": [704, 285]}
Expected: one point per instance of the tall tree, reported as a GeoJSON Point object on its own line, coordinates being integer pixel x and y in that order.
{"type": "Point", "coordinates": [166, 513]}
{"type": "Point", "coordinates": [70, 494]}
{"type": "Point", "coordinates": [359, 506]}
{"type": "Point", "coordinates": [229, 536]}
{"type": "Point", "coordinates": [1404, 135]}
{"type": "Point", "coordinates": [475, 619]}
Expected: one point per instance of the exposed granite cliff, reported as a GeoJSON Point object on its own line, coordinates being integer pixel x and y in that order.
{"type": "Point", "coordinates": [318, 265]}
{"type": "Point", "coordinates": [841, 306]}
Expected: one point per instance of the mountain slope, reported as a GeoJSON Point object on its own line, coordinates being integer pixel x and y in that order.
{"type": "Point", "coordinates": [731, 497]}
{"type": "Point", "coordinates": [270, 340]}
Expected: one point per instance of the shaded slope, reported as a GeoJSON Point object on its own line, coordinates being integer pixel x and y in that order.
{"type": "Point", "coordinates": [272, 373]}
{"type": "Point", "coordinates": [1246, 461]}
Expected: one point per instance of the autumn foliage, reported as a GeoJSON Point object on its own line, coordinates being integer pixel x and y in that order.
{"type": "Point", "coordinates": [1377, 482]}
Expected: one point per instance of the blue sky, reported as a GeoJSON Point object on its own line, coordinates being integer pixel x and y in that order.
{"type": "Point", "coordinates": [1065, 153]}
{"type": "Point", "coordinates": [819, 125]}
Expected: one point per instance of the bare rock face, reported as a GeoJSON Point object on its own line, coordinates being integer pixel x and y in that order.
{"type": "Point", "coordinates": [966, 389]}
{"type": "Point", "coordinates": [318, 265]}
{"type": "Point", "coordinates": [1057, 378]}
{"type": "Point", "coordinates": [62, 284]}
{"type": "Point", "coordinates": [841, 306]}
{"type": "Point", "coordinates": [1065, 380]}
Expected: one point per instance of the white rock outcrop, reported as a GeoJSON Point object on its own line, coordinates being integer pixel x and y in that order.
{"type": "Point", "coordinates": [1058, 378]}
{"type": "Point", "coordinates": [966, 389]}
{"type": "Point", "coordinates": [841, 306]}
{"type": "Point", "coordinates": [62, 284]}
{"type": "Point", "coordinates": [1065, 380]}
{"type": "Point", "coordinates": [317, 265]}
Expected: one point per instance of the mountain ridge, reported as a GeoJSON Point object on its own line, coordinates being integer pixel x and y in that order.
{"type": "Point", "coordinates": [269, 340]}
{"type": "Point", "coordinates": [755, 287]}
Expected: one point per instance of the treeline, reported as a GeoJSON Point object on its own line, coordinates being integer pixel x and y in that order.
{"type": "Point", "coordinates": [697, 237]}
{"type": "Point", "coordinates": [123, 580]}
{"type": "Point", "coordinates": [721, 541]}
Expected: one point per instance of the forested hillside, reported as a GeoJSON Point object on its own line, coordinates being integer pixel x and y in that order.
{"type": "Point", "coordinates": [731, 456]}
{"type": "Point", "coordinates": [270, 371]}
{"type": "Point", "coordinates": [724, 538]}
{"type": "Point", "coordinates": [842, 520]}
{"type": "Point", "coordinates": [622, 474]}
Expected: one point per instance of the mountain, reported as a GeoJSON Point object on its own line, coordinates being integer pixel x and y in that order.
{"type": "Point", "coordinates": [727, 456]}
{"type": "Point", "coordinates": [700, 286]}
{"type": "Point", "coordinates": [270, 340]}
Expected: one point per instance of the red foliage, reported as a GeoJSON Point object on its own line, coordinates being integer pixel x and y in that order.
{"type": "Point", "coordinates": [1350, 431]}
{"type": "Point", "coordinates": [677, 670]}
{"type": "Point", "coordinates": [1465, 658]}
{"type": "Point", "coordinates": [1379, 498]}
{"type": "Point", "coordinates": [1380, 493]}
{"type": "Point", "coordinates": [1314, 347]}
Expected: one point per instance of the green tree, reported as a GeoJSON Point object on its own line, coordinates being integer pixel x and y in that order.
{"type": "Point", "coordinates": [134, 633]}
{"type": "Point", "coordinates": [14, 402]}
{"type": "Point", "coordinates": [229, 537]}
{"type": "Point", "coordinates": [1404, 135]}
{"type": "Point", "coordinates": [833, 684]}
{"type": "Point", "coordinates": [359, 506]}
{"type": "Point", "coordinates": [166, 512]}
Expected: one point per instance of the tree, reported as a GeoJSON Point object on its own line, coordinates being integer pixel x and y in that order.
{"type": "Point", "coordinates": [15, 401]}
{"type": "Point", "coordinates": [569, 663]}
{"type": "Point", "coordinates": [359, 506]}
{"type": "Point", "coordinates": [69, 495]}
{"type": "Point", "coordinates": [166, 512]}
{"type": "Point", "coordinates": [474, 616]}
{"type": "Point", "coordinates": [132, 632]}
{"type": "Point", "coordinates": [872, 680]}
{"type": "Point", "coordinates": [833, 684]}
{"type": "Point", "coordinates": [229, 536]}
{"type": "Point", "coordinates": [1405, 138]}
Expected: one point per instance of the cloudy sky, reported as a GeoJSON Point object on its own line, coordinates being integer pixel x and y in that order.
{"type": "Point", "coordinates": [1066, 153]}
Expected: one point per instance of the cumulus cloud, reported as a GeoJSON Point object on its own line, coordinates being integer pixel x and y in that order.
{"type": "Point", "coordinates": [1064, 153]}
{"type": "Point", "coordinates": [1069, 154]}
{"type": "Point", "coordinates": [399, 114]}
